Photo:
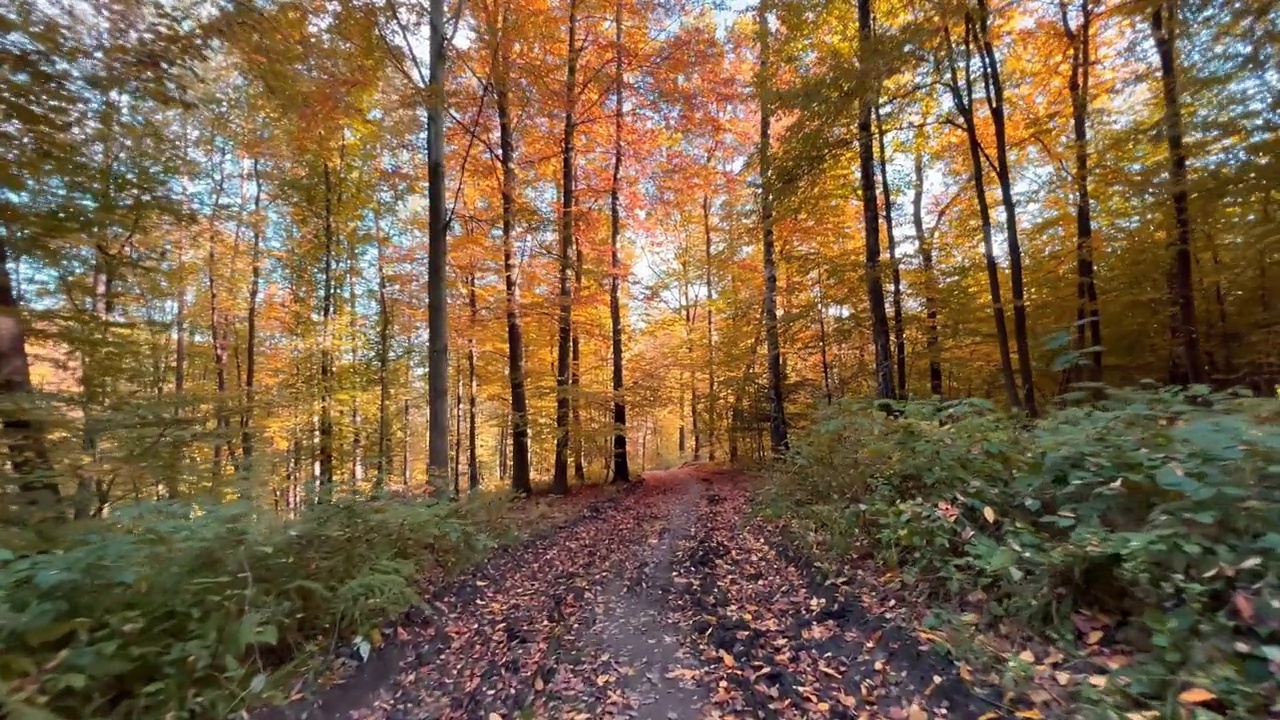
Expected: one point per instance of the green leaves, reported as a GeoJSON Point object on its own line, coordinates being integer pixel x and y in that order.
{"type": "Point", "coordinates": [153, 615]}
{"type": "Point", "coordinates": [1158, 508]}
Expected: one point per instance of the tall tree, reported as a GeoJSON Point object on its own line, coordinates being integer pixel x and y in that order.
{"type": "Point", "coordinates": [962, 100]}
{"type": "Point", "coordinates": [621, 466]}
{"type": "Point", "coordinates": [995, 104]}
{"type": "Point", "coordinates": [777, 405]}
{"type": "Point", "coordinates": [1087, 313]}
{"type": "Point", "coordinates": [437, 259]}
{"type": "Point", "coordinates": [871, 213]}
{"type": "Point", "coordinates": [560, 475]}
{"type": "Point", "coordinates": [1186, 362]}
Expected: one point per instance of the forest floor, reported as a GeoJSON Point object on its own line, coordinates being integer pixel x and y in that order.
{"type": "Point", "coordinates": [666, 601]}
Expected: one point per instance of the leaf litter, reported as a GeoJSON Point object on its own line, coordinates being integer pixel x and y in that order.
{"type": "Point", "coordinates": [665, 602]}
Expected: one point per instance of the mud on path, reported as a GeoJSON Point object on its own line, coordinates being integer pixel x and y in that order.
{"type": "Point", "coordinates": [664, 603]}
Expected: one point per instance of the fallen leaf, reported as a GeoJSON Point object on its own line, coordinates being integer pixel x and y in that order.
{"type": "Point", "coordinates": [1093, 637]}
{"type": "Point", "coordinates": [989, 514]}
{"type": "Point", "coordinates": [728, 659]}
{"type": "Point", "coordinates": [1027, 656]}
{"type": "Point", "coordinates": [1195, 695]}
{"type": "Point", "coordinates": [916, 713]}
{"type": "Point", "coordinates": [1244, 606]}
{"type": "Point", "coordinates": [966, 674]}
{"type": "Point", "coordinates": [494, 716]}
{"type": "Point", "coordinates": [538, 684]}
{"type": "Point", "coordinates": [1030, 715]}
{"type": "Point", "coordinates": [1063, 679]}
{"type": "Point", "coordinates": [1098, 681]}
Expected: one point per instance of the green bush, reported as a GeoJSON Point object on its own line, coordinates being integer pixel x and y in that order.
{"type": "Point", "coordinates": [1158, 508]}
{"type": "Point", "coordinates": [176, 608]}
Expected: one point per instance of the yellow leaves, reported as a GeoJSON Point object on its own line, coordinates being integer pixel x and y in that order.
{"type": "Point", "coordinates": [1192, 696]}
{"type": "Point", "coordinates": [1027, 656]}
{"type": "Point", "coordinates": [989, 514]}
{"type": "Point", "coordinates": [1098, 681]}
{"type": "Point", "coordinates": [965, 673]}
{"type": "Point", "coordinates": [1030, 715]}
{"type": "Point", "coordinates": [1094, 637]}
{"type": "Point", "coordinates": [604, 679]}
{"type": "Point", "coordinates": [1064, 679]}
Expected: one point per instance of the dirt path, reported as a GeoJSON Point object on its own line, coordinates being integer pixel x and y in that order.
{"type": "Point", "coordinates": [661, 604]}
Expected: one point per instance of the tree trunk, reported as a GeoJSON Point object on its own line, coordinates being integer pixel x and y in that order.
{"type": "Point", "coordinates": [1186, 362]}
{"type": "Point", "coordinates": [925, 243]}
{"type": "Point", "coordinates": [457, 427]}
{"type": "Point", "coordinates": [575, 371]}
{"type": "Point", "coordinates": [1088, 318]}
{"type": "Point", "coordinates": [353, 330]}
{"type": "Point", "coordinates": [324, 460]}
{"type": "Point", "coordinates": [777, 406]}
{"type": "Point", "coordinates": [995, 103]}
{"type": "Point", "coordinates": [822, 339]}
{"type": "Point", "coordinates": [963, 101]}
{"type": "Point", "coordinates": [560, 475]}
{"type": "Point", "coordinates": [437, 259]}
{"type": "Point", "coordinates": [621, 466]}
{"type": "Point", "coordinates": [251, 342]}
{"type": "Point", "coordinates": [871, 221]}
{"type": "Point", "coordinates": [384, 357]}
{"type": "Point", "coordinates": [520, 475]}
{"type": "Point", "coordinates": [473, 465]}
{"type": "Point", "coordinates": [24, 435]}
{"type": "Point", "coordinates": [899, 334]}
{"type": "Point", "coordinates": [711, 335]}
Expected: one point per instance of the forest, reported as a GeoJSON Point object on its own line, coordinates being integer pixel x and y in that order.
{"type": "Point", "coordinates": [312, 309]}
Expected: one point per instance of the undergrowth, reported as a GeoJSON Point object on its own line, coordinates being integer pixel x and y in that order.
{"type": "Point", "coordinates": [173, 610]}
{"type": "Point", "coordinates": [1153, 514]}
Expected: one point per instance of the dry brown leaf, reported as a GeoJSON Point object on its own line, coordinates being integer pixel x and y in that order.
{"type": "Point", "coordinates": [727, 659]}
{"type": "Point", "coordinates": [1027, 656]}
{"type": "Point", "coordinates": [1192, 696]}
{"type": "Point", "coordinates": [1093, 637]}
{"type": "Point", "coordinates": [1244, 606]}
{"type": "Point", "coordinates": [1063, 678]}
{"type": "Point", "coordinates": [1098, 681]}
{"type": "Point", "coordinates": [917, 713]}
{"type": "Point", "coordinates": [966, 674]}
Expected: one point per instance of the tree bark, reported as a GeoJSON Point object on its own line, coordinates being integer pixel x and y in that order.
{"type": "Point", "coordinates": [384, 356]}
{"type": "Point", "coordinates": [777, 406]}
{"type": "Point", "coordinates": [437, 259]}
{"type": "Point", "coordinates": [560, 475]}
{"type": "Point", "coordinates": [899, 333]}
{"type": "Point", "coordinates": [871, 220]}
{"type": "Point", "coordinates": [822, 339]}
{"type": "Point", "coordinates": [1186, 363]}
{"type": "Point", "coordinates": [621, 465]}
{"type": "Point", "coordinates": [324, 460]}
{"type": "Point", "coordinates": [520, 475]}
{"type": "Point", "coordinates": [473, 465]}
{"type": "Point", "coordinates": [1088, 318]}
{"type": "Point", "coordinates": [995, 103]}
{"type": "Point", "coordinates": [925, 243]}
{"type": "Point", "coordinates": [251, 341]}
{"type": "Point", "coordinates": [25, 436]}
{"type": "Point", "coordinates": [711, 335]}
{"type": "Point", "coordinates": [963, 101]}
